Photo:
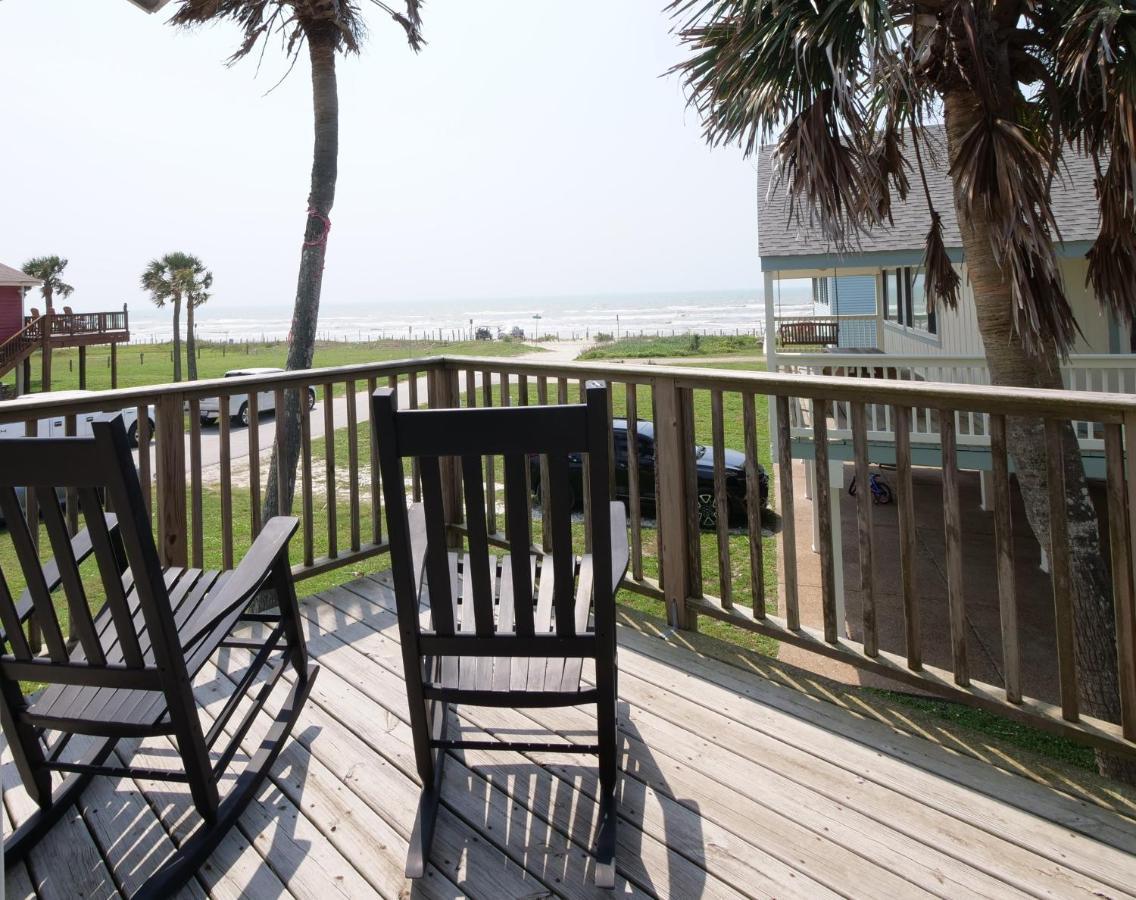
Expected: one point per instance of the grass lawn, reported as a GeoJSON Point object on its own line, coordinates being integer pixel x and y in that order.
{"type": "Point", "coordinates": [679, 345]}
{"type": "Point", "coordinates": [145, 364]}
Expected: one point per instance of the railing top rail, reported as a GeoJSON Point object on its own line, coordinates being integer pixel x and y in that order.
{"type": "Point", "coordinates": [1092, 405]}
{"type": "Point", "coordinates": [33, 406]}
{"type": "Point", "coordinates": [1095, 360]}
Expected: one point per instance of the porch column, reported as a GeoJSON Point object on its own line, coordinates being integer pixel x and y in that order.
{"type": "Point", "coordinates": [114, 365]}
{"type": "Point", "coordinates": [879, 279]}
{"type": "Point", "coordinates": [82, 368]}
{"type": "Point", "coordinates": [21, 382]}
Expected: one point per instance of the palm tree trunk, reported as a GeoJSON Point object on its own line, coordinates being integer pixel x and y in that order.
{"type": "Point", "coordinates": [48, 295]}
{"type": "Point", "coordinates": [177, 338]}
{"type": "Point", "coordinates": [1011, 365]}
{"type": "Point", "coordinates": [190, 343]}
{"type": "Point", "coordinates": [322, 42]}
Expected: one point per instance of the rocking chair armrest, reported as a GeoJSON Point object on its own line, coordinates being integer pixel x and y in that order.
{"type": "Point", "coordinates": [620, 554]}
{"type": "Point", "coordinates": [247, 578]}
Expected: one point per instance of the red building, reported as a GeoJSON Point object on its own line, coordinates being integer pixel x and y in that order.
{"type": "Point", "coordinates": [13, 285]}
{"type": "Point", "coordinates": [25, 331]}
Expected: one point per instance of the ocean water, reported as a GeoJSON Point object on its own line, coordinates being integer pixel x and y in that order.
{"type": "Point", "coordinates": [704, 312]}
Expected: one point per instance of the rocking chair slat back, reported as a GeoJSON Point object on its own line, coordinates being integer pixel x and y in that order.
{"type": "Point", "coordinates": [553, 432]}
{"type": "Point", "coordinates": [94, 473]}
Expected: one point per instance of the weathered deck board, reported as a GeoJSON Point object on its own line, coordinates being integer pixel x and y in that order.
{"type": "Point", "coordinates": [732, 786]}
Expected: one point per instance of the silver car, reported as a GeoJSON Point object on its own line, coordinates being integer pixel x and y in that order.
{"type": "Point", "coordinates": [238, 406]}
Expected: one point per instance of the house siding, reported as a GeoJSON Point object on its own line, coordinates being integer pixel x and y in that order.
{"type": "Point", "coordinates": [11, 311]}
{"type": "Point", "coordinates": [958, 333]}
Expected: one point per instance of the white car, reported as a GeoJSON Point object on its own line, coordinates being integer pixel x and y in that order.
{"type": "Point", "coordinates": [56, 426]}
{"type": "Point", "coordinates": [238, 409]}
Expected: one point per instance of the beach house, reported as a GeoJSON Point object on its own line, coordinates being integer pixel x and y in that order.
{"type": "Point", "coordinates": [873, 290]}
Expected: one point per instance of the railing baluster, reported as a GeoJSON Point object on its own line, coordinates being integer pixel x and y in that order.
{"type": "Point", "coordinates": [197, 549]}
{"type": "Point", "coordinates": [330, 488]}
{"type": "Point", "coordinates": [253, 401]}
{"type": "Point", "coordinates": [490, 461]}
{"type": "Point", "coordinates": [952, 529]}
{"type": "Point", "coordinates": [864, 528]}
{"type": "Point", "coordinates": [415, 479]}
{"type": "Point", "coordinates": [279, 400]}
{"type": "Point", "coordinates": [823, 506]}
{"type": "Point", "coordinates": [1122, 537]}
{"type": "Point", "coordinates": [753, 507]}
{"type": "Point", "coordinates": [306, 482]}
{"type": "Point", "coordinates": [353, 464]}
{"type": "Point", "coordinates": [721, 501]}
{"type": "Point", "coordinates": [223, 425]}
{"type": "Point", "coordinates": [905, 490]}
{"type": "Point", "coordinates": [545, 486]}
{"type": "Point", "coordinates": [633, 498]}
{"type": "Point", "coordinates": [1059, 566]}
{"type": "Point", "coordinates": [587, 482]}
{"type": "Point", "coordinates": [788, 514]}
{"type": "Point", "coordinates": [143, 431]}
{"type": "Point", "coordinates": [1004, 554]}
{"type": "Point", "coordinates": [376, 494]}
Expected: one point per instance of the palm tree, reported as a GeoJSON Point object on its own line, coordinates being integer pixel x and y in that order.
{"type": "Point", "coordinates": [49, 270]}
{"type": "Point", "coordinates": [842, 85]}
{"type": "Point", "coordinates": [173, 278]}
{"type": "Point", "coordinates": [198, 280]}
{"type": "Point", "coordinates": [328, 27]}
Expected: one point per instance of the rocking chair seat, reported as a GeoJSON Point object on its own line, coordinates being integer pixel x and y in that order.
{"type": "Point", "coordinates": [89, 709]}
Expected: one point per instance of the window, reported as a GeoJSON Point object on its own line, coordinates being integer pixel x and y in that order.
{"type": "Point", "coordinates": [820, 291]}
{"type": "Point", "coordinates": [905, 299]}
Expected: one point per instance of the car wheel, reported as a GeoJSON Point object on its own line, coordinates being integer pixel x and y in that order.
{"type": "Point", "coordinates": [707, 510]}
{"type": "Point", "coordinates": [311, 399]}
{"type": "Point", "coordinates": [243, 414]}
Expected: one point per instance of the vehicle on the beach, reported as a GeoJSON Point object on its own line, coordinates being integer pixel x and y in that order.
{"type": "Point", "coordinates": [238, 405]}
{"type": "Point", "coordinates": [484, 334]}
{"type": "Point", "coordinates": [734, 463]}
{"type": "Point", "coordinates": [56, 426]}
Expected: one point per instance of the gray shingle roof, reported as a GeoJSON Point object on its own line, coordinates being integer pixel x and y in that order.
{"type": "Point", "coordinates": [1074, 205]}
{"type": "Point", "coordinates": [10, 276]}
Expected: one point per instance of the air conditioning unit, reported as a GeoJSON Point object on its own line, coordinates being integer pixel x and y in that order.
{"type": "Point", "coordinates": [150, 6]}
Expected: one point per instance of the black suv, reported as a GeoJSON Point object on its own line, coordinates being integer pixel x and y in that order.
{"type": "Point", "coordinates": [704, 462]}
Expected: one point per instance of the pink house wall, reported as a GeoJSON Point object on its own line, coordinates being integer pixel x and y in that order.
{"type": "Point", "coordinates": [11, 311]}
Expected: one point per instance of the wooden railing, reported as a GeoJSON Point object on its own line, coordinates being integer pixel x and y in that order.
{"type": "Point", "coordinates": [1101, 372]}
{"type": "Point", "coordinates": [697, 542]}
{"type": "Point", "coordinates": [65, 324]}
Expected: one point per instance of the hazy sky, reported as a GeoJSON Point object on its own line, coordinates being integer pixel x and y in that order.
{"type": "Point", "coordinates": [532, 148]}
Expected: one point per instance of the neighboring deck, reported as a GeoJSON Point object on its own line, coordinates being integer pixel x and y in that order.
{"type": "Point", "coordinates": [734, 785]}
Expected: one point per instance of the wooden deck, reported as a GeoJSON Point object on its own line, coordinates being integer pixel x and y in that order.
{"type": "Point", "coordinates": [733, 785]}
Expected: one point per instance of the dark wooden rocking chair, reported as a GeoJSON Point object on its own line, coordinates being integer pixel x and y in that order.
{"type": "Point", "coordinates": [130, 673]}
{"type": "Point", "coordinates": [523, 642]}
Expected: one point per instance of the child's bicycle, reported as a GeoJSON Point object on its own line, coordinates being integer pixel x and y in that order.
{"type": "Point", "coordinates": [881, 490]}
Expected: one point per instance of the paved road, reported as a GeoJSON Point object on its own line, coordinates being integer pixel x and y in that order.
{"type": "Point", "coordinates": [238, 435]}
